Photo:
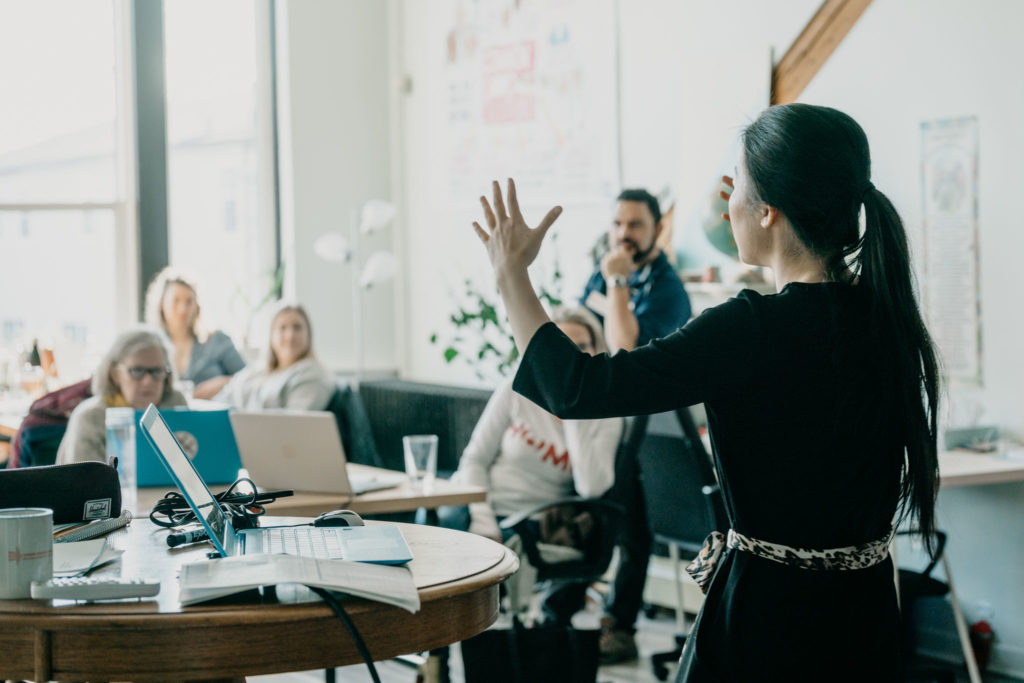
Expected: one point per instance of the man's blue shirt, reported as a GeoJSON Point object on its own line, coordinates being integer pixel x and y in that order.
{"type": "Point", "coordinates": [660, 303]}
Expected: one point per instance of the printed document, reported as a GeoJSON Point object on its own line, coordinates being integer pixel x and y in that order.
{"type": "Point", "coordinates": [212, 579]}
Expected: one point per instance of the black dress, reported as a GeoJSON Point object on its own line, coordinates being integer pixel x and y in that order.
{"type": "Point", "coordinates": [807, 444]}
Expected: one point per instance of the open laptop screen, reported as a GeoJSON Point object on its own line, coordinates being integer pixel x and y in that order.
{"type": "Point", "coordinates": [184, 474]}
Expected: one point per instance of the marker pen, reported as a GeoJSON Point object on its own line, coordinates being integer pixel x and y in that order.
{"type": "Point", "coordinates": [186, 537]}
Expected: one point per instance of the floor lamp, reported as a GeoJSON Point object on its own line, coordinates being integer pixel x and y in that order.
{"type": "Point", "coordinates": [378, 267]}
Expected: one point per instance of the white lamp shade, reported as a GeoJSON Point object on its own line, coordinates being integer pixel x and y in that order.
{"type": "Point", "coordinates": [377, 215]}
{"type": "Point", "coordinates": [332, 247]}
{"type": "Point", "coordinates": [380, 267]}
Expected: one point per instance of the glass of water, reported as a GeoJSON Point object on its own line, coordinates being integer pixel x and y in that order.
{"type": "Point", "coordinates": [421, 460]}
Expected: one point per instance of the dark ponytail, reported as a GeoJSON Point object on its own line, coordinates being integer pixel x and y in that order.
{"type": "Point", "coordinates": [885, 269]}
{"type": "Point", "coordinates": [813, 164]}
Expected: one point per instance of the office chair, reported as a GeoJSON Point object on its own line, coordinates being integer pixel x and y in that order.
{"type": "Point", "coordinates": [547, 562]}
{"type": "Point", "coordinates": [684, 504]}
{"type": "Point", "coordinates": [39, 436]}
{"type": "Point", "coordinates": [914, 585]}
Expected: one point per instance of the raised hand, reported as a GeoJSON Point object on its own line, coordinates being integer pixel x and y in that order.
{"type": "Point", "coordinates": [511, 244]}
{"type": "Point", "coordinates": [727, 181]}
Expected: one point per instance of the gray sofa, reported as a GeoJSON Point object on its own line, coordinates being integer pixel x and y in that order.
{"type": "Point", "coordinates": [374, 418]}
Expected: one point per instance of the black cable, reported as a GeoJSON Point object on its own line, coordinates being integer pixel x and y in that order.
{"type": "Point", "coordinates": [352, 631]}
{"type": "Point", "coordinates": [173, 510]}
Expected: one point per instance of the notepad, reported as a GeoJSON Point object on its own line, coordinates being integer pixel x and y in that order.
{"type": "Point", "coordinates": [210, 579]}
{"type": "Point", "coordinates": [97, 527]}
{"type": "Point", "coordinates": [75, 559]}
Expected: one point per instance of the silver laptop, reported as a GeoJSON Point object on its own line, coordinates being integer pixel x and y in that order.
{"type": "Point", "coordinates": [379, 543]}
{"type": "Point", "coordinates": [300, 451]}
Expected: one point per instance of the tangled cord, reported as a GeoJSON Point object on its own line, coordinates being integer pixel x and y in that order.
{"type": "Point", "coordinates": [357, 639]}
{"type": "Point", "coordinates": [173, 510]}
{"type": "Point", "coordinates": [243, 507]}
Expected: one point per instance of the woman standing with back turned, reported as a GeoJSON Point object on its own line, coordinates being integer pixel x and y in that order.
{"type": "Point", "coordinates": [821, 403]}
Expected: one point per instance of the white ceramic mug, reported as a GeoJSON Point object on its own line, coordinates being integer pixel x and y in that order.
{"type": "Point", "coordinates": [26, 550]}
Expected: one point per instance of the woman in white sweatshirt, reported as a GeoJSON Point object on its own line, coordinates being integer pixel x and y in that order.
{"type": "Point", "coordinates": [525, 456]}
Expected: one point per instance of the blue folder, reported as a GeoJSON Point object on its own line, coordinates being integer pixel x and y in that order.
{"type": "Point", "coordinates": [216, 457]}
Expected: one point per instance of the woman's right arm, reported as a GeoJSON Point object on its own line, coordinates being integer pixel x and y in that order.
{"type": "Point", "coordinates": [511, 247]}
{"type": "Point", "coordinates": [702, 360]}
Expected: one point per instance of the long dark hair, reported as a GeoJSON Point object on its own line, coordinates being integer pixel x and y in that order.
{"type": "Point", "coordinates": [813, 164]}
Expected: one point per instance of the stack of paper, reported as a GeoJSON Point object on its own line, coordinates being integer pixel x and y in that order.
{"type": "Point", "coordinates": [212, 579]}
{"type": "Point", "coordinates": [77, 558]}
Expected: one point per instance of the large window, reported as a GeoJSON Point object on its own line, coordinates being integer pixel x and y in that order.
{"type": "Point", "coordinates": [68, 226]}
{"type": "Point", "coordinates": [220, 193]}
{"type": "Point", "coordinates": [65, 279]}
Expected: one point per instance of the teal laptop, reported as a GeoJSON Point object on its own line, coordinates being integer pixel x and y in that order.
{"type": "Point", "coordinates": [206, 437]}
{"type": "Point", "coordinates": [379, 543]}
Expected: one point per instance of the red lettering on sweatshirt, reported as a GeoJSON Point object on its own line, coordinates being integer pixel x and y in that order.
{"type": "Point", "coordinates": [550, 455]}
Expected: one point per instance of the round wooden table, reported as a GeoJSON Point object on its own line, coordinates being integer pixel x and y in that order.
{"type": "Point", "coordinates": [457, 575]}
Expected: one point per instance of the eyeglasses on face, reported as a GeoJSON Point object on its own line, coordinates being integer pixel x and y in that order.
{"type": "Point", "coordinates": [137, 373]}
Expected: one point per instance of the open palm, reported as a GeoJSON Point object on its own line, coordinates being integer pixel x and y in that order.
{"type": "Point", "coordinates": [510, 242]}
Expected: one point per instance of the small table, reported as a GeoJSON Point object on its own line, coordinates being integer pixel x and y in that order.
{"type": "Point", "coordinates": [963, 468]}
{"type": "Point", "coordinates": [401, 498]}
{"type": "Point", "coordinates": [457, 575]}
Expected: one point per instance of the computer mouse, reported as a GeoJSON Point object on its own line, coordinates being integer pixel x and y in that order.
{"type": "Point", "coordinates": [338, 518]}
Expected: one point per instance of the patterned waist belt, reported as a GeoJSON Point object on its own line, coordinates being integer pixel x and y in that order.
{"type": "Point", "coordinates": [862, 556]}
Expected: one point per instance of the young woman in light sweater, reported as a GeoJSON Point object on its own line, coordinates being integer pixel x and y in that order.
{"type": "Point", "coordinates": [292, 378]}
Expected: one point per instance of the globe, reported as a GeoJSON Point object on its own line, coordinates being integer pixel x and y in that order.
{"type": "Point", "coordinates": [717, 229]}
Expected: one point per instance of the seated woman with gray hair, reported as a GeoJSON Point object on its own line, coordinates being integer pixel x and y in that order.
{"type": "Point", "coordinates": [135, 372]}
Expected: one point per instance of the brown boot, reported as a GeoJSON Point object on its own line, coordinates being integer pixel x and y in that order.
{"type": "Point", "coordinates": [617, 644]}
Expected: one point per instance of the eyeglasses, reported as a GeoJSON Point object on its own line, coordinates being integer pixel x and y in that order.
{"type": "Point", "coordinates": [137, 373]}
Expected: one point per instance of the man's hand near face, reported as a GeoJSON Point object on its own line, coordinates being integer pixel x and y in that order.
{"type": "Point", "coordinates": [618, 261]}
{"type": "Point", "coordinates": [620, 324]}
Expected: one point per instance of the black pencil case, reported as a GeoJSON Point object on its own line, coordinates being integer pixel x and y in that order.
{"type": "Point", "coordinates": [78, 492]}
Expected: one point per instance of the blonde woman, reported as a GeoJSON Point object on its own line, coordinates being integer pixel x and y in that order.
{"type": "Point", "coordinates": [292, 377]}
{"type": "Point", "coordinates": [135, 372]}
{"type": "Point", "coordinates": [207, 360]}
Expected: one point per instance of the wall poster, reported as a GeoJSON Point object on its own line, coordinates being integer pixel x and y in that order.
{"type": "Point", "coordinates": [952, 300]}
{"type": "Point", "coordinates": [532, 94]}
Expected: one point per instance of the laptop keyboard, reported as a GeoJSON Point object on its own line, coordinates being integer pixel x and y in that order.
{"type": "Point", "coordinates": [305, 541]}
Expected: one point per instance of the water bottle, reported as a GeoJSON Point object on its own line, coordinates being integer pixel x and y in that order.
{"type": "Point", "coordinates": [121, 444]}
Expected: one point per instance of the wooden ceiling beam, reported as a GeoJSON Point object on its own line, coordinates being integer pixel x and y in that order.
{"type": "Point", "coordinates": [813, 47]}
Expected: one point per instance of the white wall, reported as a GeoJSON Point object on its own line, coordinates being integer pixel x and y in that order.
{"type": "Point", "coordinates": [909, 61]}
{"type": "Point", "coordinates": [334, 108]}
{"type": "Point", "coordinates": [691, 74]}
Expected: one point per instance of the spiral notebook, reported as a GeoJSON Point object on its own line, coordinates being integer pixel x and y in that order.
{"type": "Point", "coordinates": [81, 532]}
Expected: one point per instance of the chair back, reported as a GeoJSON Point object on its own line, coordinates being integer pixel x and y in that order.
{"type": "Point", "coordinates": [606, 515]}
{"type": "Point", "coordinates": [41, 431]}
{"type": "Point", "coordinates": [398, 407]}
{"type": "Point", "coordinates": [354, 425]}
{"type": "Point", "coordinates": [681, 495]}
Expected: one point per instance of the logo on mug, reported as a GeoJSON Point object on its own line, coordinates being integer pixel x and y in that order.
{"type": "Point", "coordinates": [17, 556]}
